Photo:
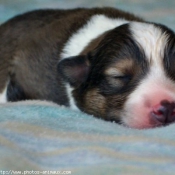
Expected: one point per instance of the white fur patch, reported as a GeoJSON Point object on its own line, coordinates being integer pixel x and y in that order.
{"type": "Point", "coordinates": [96, 26]}
{"type": "Point", "coordinates": [72, 103]}
{"type": "Point", "coordinates": [3, 95]}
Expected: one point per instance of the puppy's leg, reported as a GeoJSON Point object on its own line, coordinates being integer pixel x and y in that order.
{"type": "Point", "coordinates": [3, 95]}
{"type": "Point", "coordinates": [4, 79]}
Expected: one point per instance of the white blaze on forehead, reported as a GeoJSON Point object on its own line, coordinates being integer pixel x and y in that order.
{"type": "Point", "coordinates": [151, 39]}
{"type": "Point", "coordinates": [97, 25]}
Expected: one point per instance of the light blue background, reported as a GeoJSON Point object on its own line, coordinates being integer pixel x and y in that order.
{"type": "Point", "coordinates": [161, 11]}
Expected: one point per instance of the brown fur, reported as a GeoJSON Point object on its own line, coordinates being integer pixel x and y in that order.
{"type": "Point", "coordinates": [30, 47]}
{"type": "Point", "coordinates": [95, 103]}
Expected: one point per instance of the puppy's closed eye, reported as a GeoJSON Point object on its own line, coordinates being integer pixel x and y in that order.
{"type": "Point", "coordinates": [112, 84]}
{"type": "Point", "coordinates": [123, 78]}
{"type": "Point", "coordinates": [117, 77]}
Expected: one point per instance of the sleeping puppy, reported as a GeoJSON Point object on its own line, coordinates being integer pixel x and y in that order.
{"type": "Point", "coordinates": [102, 61]}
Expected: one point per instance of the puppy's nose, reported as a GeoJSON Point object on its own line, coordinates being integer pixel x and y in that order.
{"type": "Point", "coordinates": [164, 112]}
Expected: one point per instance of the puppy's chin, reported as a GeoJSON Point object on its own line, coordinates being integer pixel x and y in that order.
{"type": "Point", "coordinates": [139, 122]}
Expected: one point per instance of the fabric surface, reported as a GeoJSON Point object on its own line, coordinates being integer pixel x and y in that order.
{"type": "Point", "coordinates": [42, 136]}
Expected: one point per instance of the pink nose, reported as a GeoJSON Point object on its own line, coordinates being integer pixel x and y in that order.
{"type": "Point", "coordinates": [164, 112]}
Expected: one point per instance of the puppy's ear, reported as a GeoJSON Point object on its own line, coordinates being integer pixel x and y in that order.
{"type": "Point", "coordinates": [74, 70]}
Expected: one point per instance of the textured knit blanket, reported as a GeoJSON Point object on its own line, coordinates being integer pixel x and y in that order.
{"type": "Point", "coordinates": [42, 136]}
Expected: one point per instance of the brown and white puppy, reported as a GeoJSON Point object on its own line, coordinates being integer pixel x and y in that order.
{"type": "Point", "coordinates": [102, 61]}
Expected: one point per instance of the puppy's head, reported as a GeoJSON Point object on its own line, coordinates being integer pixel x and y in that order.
{"type": "Point", "coordinates": [128, 78]}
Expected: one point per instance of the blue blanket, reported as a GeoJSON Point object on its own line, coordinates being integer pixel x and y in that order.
{"type": "Point", "coordinates": [42, 136]}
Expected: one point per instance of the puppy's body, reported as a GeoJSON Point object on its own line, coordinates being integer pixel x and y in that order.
{"type": "Point", "coordinates": [95, 60]}
{"type": "Point", "coordinates": [33, 43]}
